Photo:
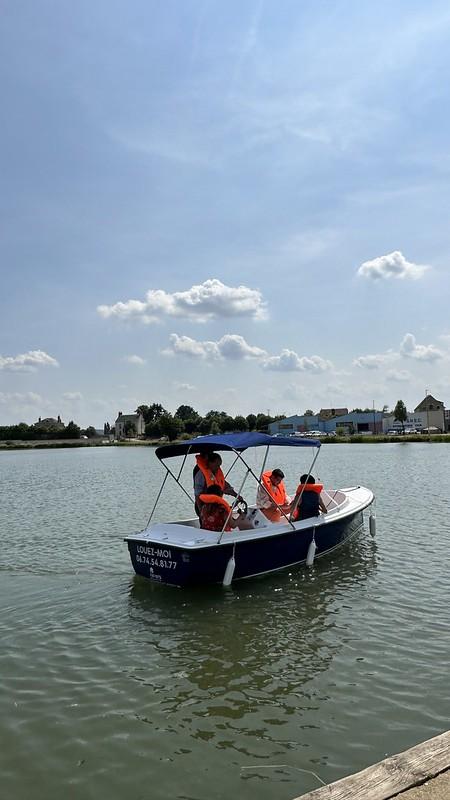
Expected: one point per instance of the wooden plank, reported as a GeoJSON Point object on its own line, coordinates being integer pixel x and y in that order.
{"type": "Point", "coordinates": [391, 776]}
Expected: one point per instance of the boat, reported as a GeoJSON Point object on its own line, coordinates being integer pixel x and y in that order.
{"type": "Point", "coordinates": [180, 553]}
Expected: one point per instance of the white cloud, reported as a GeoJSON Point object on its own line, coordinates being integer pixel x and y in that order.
{"type": "Point", "coordinates": [421, 352]}
{"type": "Point", "coordinates": [310, 245]}
{"type": "Point", "coordinates": [289, 361]}
{"type": "Point", "coordinates": [230, 347]}
{"type": "Point", "coordinates": [235, 347]}
{"type": "Point", "coordinates": [27, 362]}
{"type": "Point", "coordinates": [374, 361]}
{"type": "Point", "coordinates": [27, 399]}
{"type": "Point", "coordinates": [400, 376]}
{"type": "Point", "coordinates": [184, 345]}
{"type": "Point", "coordinates": [209, 300]}
{"type": "Point", "coordinates": [184, 387]}
{"type": "Point", "coordinates": [72, 397]}
{"type": "Point", "coordinates": [137, 360]}
{"type": "Point", "coordinates": [392, 265]}
{"type": "Point", "coordinates": [445, 339]}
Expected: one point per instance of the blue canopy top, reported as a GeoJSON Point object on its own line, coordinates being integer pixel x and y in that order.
{"type": "Point", "coordinates": [232, 441]}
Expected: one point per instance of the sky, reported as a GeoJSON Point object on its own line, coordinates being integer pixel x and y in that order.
{"type": "Point", "coordinates": [240, 206]}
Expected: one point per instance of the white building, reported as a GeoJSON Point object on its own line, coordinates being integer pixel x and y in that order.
{"type": "Point", "coordinates": [434, 412]}
{"type": "Point", "coordinates": [121, 425]}
{"type": "Point", "coordinates": [430, 413]}
{"type": "Point", "coordinates": [414, 422]}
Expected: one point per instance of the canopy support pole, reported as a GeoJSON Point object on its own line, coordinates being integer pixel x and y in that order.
{"type": "Point", "coordinates": [157, 499]}
{"type": "Point", "coordinates": [176, 479]}
{"type": "Point", "coordinates": [234, 503]}
{"type": "Point", "coordinates": [264, 463]}
{"type": "Point", "coordinates": [258, 481]}
{"type": "Point", "coordinates": [299, 497]}
{"type": "Point", "coordinates": [229, 470]}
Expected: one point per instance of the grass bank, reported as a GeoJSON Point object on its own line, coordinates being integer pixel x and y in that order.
{"type": "Point", "coordinates": [57, 444]}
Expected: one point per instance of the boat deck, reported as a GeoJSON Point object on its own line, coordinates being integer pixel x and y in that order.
{"type": "Point", "coordinates": [187, 533]}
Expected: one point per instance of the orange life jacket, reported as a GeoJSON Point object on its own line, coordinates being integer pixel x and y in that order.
{"type": "Point", "coordinates": [309, 487]}
{"type": "Point", "coordinates": [306, 487]}
{"type": "Point", "coordinates": [216, 499]}
{"type": "Point", "coordinates": [210, 477]}
{"type": "Point", "coordinates": [277, 493]}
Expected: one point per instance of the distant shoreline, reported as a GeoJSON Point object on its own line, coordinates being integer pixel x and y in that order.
{"type": "Point", "coordinates": [57, 444]}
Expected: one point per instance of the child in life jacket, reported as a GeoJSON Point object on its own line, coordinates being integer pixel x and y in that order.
{"type": "Point", "coordinates": [271, 497]}
{"type": "Point", "coordinates": [307, 501]}
{"type": "Point", "coordinates": [215, 511]}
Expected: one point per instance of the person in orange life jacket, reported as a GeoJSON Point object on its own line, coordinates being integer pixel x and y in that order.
{"type": "Point", "coordinates": [215, 511]}
{"type": "Point", "coordinates": [271, 495]}
{"type": "Point", "coordinates": [207, 472]}
{"type": "Point", "coordinates": [307, 501]}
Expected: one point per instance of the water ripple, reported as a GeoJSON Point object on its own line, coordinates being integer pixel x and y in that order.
{"type": "Point", "coordinates": [113, 686]}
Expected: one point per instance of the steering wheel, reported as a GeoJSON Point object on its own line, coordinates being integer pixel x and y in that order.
{"type": "Point", "coordinates": [241, 507]}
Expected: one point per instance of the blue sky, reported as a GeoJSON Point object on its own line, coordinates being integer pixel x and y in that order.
{"type": "Point", "coordinates": [241, 206]}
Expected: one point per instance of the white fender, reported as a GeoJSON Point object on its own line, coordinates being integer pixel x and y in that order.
{"type": "Point", "coordinates": [372, 523]}
{"type": "Point", "coordinates": [311, 553]}
{"type": "Point", "coordinates": [229, 572]}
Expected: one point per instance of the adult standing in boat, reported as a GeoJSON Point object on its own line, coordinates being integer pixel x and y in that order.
{"type": "Point", "coordinates": [307, 501]}
{"type": "Point", "coordinates": [208, 472]}
{"type": "Point", "coordinates": [271, 497]}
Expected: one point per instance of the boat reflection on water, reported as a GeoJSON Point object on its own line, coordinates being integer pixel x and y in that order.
{"type": "Point", "coordinates": [233, 667]}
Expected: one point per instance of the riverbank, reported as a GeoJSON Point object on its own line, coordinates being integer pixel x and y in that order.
{"type": "Point", "coordinates": [43, 444]}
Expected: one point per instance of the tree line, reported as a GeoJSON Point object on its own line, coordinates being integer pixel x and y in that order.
{"type": "Point", "coordinates": [24, 432]}
{"type": "Point", "coordinates": [186, 421]}
{"type": "Point", "coordinates": [159, 422]}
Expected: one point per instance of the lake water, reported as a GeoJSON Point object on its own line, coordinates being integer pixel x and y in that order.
{"type": "Point", "coordinates": [113, 687]}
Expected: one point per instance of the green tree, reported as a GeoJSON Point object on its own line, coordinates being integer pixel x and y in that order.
{"type": "Point", "coordinates": [170, 426]}
{"type": "Point", "coordinates": [215, 414]}
{"type": "Point", "coordinates": [71, 431]}
{"type": "Point", "coordinates": [205, 425]}
{"type": "Point", "coordinates": [226, 424]}
{"type": "Point", "coordinates": [308, 413]}
{"type": "Point", "coordinates": [144, 410]}
{"type": "Point", "coordinates": [153, 430]}
{"type": "Point", "coordinates": [151, 413]}
{"type": "Point", "coordinates": [240, 424]}
{"type": "Point", "coordinates": [262, 422]}
{"type": "Point", "coordinates": [400, 413]}
{"type": "Point", "coordinates": [91, 432]}
{"type": "Point", "coordinates": [251, 420]}
{"type": "Point", "coordinates": [193, 424]}
{"type": "Point", "coordinates": [185, 412]}
{"type": "Point", "coordinates": [129, 429]}
{"type": "Point", "coordinates": [212, 418]}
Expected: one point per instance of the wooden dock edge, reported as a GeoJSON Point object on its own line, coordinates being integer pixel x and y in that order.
{"type": "Point", "coordinates": [392, 776]}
